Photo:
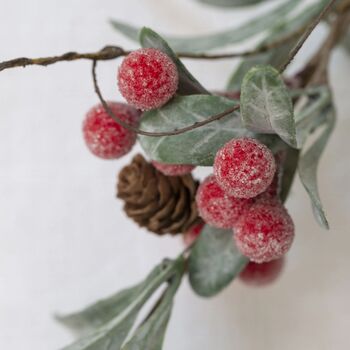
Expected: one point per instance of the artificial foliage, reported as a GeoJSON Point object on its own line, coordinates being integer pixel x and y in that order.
{"type": "Point", "coordinates": [257, 134]}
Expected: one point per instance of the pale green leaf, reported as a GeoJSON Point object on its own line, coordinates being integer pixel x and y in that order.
{"type": "Point", "coordinates": [278, 55]}
{"type": "Point", "coordinates": [224, 38]}
{"type": "Point", "coordinates": [150, 334]}
{"type": "Point", "coordinates": [198, 146]}
{"type": "Point", "coordinates": [266, 106]}
{"type": "Point", "coordinates": [232, 3]}
{"type": "Point", "coordinates": [187, 82]}
{"type": "Point", "coordinates": [112, 334]}
{"type": "Point", "coordinates": [101, 312]}
{"type": "Point", "coordinates": [214, 261]}
{"type": "Point", "coordinates": [308, 165]}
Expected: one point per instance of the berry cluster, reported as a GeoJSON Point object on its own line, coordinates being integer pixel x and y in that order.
{"type": "Point", "coordinates": [148, 79]}
{"type": "Point", "coordinates": [243, 195]}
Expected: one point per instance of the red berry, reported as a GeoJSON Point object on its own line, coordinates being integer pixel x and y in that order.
{"type": "Point", "coordinates": [148, 78]}
{"type": "Point", "coordinates": [104, 137]}
{"type": "Point", "coordinates": [244, 167]}
{"type": "Point", "coordinates": [262, 274]}
{"type": "Point", "coordinates": [173, 169]}
{"type": "Point", "coordinates": [192, 234]}
{"type": "Point", "coordinates": [216, 207]}
{"type": "Point", "coordinates": [265, 232]}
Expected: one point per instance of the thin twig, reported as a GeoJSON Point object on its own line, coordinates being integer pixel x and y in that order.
{"type": "Point", "coordinates": [113, 52]}
{"type": "Point", "coordinates": [307, 33]}
{"type": "Point", "coordinates": [151, 133]}
{"type": "Point", "coordinates": [107, 53]}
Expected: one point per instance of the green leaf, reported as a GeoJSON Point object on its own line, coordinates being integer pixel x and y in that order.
{"type": "Point", "coordinates": [220, 39]}
{"type": "Point", "coordinates": [198, 146]}
{"type": "Point", "coordinates": [266, 106]}
{"type": "Point", "coordinates": [278, 55]}
{"type": "Point", "coordinates": [187, 83]}
{"type": "Point", "coordinates": [232, 3]}
{"type": "Point", "coordinates": [150, 335]}
{"type": "Point", "coordinates": [100, 313]}
{"type": "Point", "coordinates": [112, 334]}
{"type": "Point", "coordinates": [309, 161]}
{"type": "Point", "coordinates": [214, 261]}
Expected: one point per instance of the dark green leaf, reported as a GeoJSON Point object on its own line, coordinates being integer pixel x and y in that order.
{"type": "Point", "coordinates": [112, 334]}
{"type": "Point", "coordinates": [214, 261]}
{"type": "Point", "coordinates": [266, 106]}
{"type": "Point", "coordinates": [187, 83]}
{"type": "Point", "coordinates": [278, 55]}
{"type": "Point", "coordinates": [224, 38]}
{"type": "Point", "coordinates": [309, 161]}
{"type": "Point", "coordinates": [150, 335]}
{"type": "Point", "coordinates": [232, 3]}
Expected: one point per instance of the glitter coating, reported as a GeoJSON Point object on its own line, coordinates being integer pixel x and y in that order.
{"type": "Point", "coordinates": [244, 167]}
{"type": "Point", "coordinates": [104, 137]}
{"type": "Point", "coordinates": [216, 207]}
{"type": "Point", "coordinates": [173, 169]}
{"type": "Point", "coordinates": [262, 274]}
{"type": "Point", "coordinates": [148, 78]}
{"type": "Point", "coordinates": [265, 232]}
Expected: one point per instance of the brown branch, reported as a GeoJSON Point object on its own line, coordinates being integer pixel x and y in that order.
{"type": "Point", "coordinates": [107, 53]}
{"type": "Point", "coordinates": [307, 33]}
{"type": "Point", "coordinates": [151, 133]}
{"type": "Point", "coordinates": [113, 52]}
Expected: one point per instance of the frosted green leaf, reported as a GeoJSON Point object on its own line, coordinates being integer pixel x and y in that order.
{"type": "Point", "coordinates": [308, 165]}
{"type": "Point", "coordinates": [150, 334]}
{"type": "Point", "coordinates": [187, 82]}
{"type": "Point", "coordinates": [214, 261]}
{"type": "Point", "coordinates": [278, 55]}
{"type": "Point", "coordinates": [198, 146]}
{"type": "Point", "coordinates": [112, 334]}
{"type": "Point", "coordinates": [266, 106]}
{"type": "Point", "coordinates": [100, 313]}
{"type": "Point", "coordinates": [221, 39]}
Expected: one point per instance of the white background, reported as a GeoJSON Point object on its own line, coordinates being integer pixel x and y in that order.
{"type": "Point", "coordinates": [64, 240]}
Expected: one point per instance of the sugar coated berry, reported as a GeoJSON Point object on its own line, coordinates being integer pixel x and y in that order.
{"type": "Point", "coordinates": [173, 169]}
{"type": "Point", "coordinates": [216, 207]}
{"type": "Point", "coordinates": [148, 78]}
{"type": "Point", "coordinates": [104, 137]}
{"type": "Point", "coordinates": [262, 274]}
{"type": "Point", "coordinates": [244, 167]}
{"type": "Point", "coordinates": [265, 232]}
{"type": "Point", "coordinates": [192, 234]}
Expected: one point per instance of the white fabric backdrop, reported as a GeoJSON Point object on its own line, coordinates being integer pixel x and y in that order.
{"type": "Point", "coordinates": [64, 240]}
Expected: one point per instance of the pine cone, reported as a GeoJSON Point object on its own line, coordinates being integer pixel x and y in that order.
{"type": "Point", "coordinates": [162, 204]}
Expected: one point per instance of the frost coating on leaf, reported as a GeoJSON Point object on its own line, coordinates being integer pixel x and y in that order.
{"type": "Point", "coordinates": [266, 106]}
{"type": "Point", "coordinates": [198, 146]}
{"type": "Point", "coordinates": [308, 165]}
{"type": "Point", "coordinates": [214, 261]}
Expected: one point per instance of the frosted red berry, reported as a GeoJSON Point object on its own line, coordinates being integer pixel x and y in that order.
{"type": "Point", "coordinates": [244, 167]}
{"type": "Point", "coordinates": [216, 207]}
{"type": "Point", "coordinates": [265, 232]}
{"type": "Point", "coordinates": [192, 234]}
{"type": "Point", "coordinates": [104, 137]}
{"type": "Point", "coordinates": [148, 78]}
{"type": "Point", "coordinates": [262, 274]}
{"type": "Point", "coordinates": [173, 169]}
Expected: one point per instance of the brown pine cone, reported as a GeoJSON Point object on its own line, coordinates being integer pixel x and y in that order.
{"type": "Point", "coordinates": [162, 204]}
